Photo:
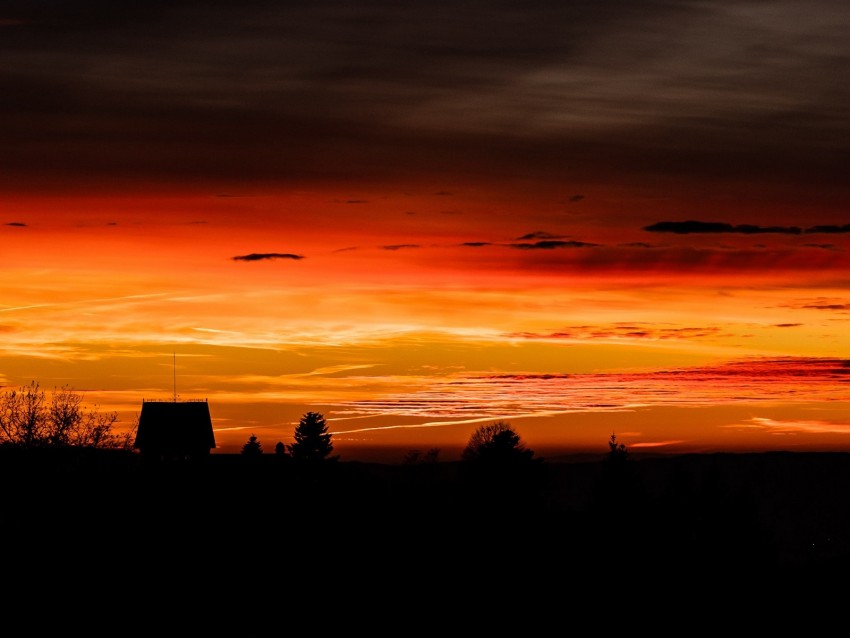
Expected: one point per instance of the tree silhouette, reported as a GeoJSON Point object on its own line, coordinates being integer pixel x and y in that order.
{"type": "Point", "coordinates": [618, 477]}
{"type": "Point", "coordinates": [496, 443]}
{"type": "Point", "coordinates": [28, 418]}
{"type": "Point", "coordinates": [253, 447]}
{"type": "Point", "coordinates": [499, 469]}
{"type": "Point", "coordinates": [617, 452]}
{"type": "Point", "coordinates": [312, 440]}
{"type": "Point", "coordinates": [618, 499]}
{"type": "Point", "coordinates": [280, 449]}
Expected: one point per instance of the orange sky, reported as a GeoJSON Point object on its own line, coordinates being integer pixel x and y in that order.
{"type": "Point", "coordinates": [417, 222]}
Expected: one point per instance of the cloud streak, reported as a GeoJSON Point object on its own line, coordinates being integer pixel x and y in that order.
{"type": "Point", "coordinates": [470, 397]}
{"type": "Point", "coordinates": [399, 246]}
{"type": "Point", "coordinates": [701, 227]}
{"type": "Point", "coordinates": [267, 257]}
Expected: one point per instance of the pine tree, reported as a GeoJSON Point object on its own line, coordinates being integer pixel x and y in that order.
{"type": "Point", "coordinates": [252, 447]}
{"type": "Point", "coordinates": [312, 440]}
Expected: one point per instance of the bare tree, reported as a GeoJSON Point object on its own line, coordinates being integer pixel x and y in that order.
{"type": "Point", "coordinates": [64, 416]}
{"type": "Point", "coordinates": [95, 429]}
{"type": "Point", "coordinates": [22, 416]}
{"type": "Point", "coordinates": [29, 419]}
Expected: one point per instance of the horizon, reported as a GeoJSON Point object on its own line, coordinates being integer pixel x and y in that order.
{"type": "Point", "coordinates": [580, 219]}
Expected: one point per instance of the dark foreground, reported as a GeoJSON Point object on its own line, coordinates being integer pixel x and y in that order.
{"type": "Point", "coordinates": [745, 521]}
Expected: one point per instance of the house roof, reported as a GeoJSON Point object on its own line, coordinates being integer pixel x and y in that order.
{"type": "Point", "coordinates": [174, 427]}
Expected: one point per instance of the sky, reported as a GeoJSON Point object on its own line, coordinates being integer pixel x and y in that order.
{"type": "Point", "coordinates": [581, 218]}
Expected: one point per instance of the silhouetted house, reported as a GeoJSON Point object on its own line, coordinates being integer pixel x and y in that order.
{"type": "Point", "coordinates": [175, 431]}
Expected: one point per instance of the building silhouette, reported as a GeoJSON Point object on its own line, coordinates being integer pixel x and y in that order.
{"type": "Point", "coordinates": [174, 431]}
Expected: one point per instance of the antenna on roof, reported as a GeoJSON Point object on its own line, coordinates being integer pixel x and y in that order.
{"type": "Point", "coordinates": [175, 377]}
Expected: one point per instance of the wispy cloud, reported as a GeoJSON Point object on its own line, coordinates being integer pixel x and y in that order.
{"type": "Point", "coordinates": [551, 244]}
{"type": "Point", "coordinates": [400, 246]}
{"type": "Point", "coordinates": [19, 224]}
{"type": "Point", "coordinates": [621, 331]}
{"type": "Point", "coordinates": [480, 397]}
{"type": "Point", "coordinates": [538, 234]}
{"type": "Point", "coordinates": [819, 304]}
{"type": "Point", "coordinates": [777, 426]}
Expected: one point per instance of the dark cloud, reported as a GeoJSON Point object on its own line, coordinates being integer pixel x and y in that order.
{"type": "Point", "coordinates": [236, 92]}
{"type": "Point", "coordinates": [829, 229]}
{"type": "Point", "coordinates": [675, 262]}
{"type": "Point", "coordinates": [538, 234]}
{"type": "Point", "coordinates": [550, 244]}
{"type": "Point", "coordinates": [266, 256]}
{"type": "Point", "coordinates": [476, 244]}
{"type": "Point", "coordinates": [19, 224]}
{"type": "Point", "coordinates": [693, 226]}
{"type": "Point", "coordinates": [819, 303]}
{"type": "Point", "coordinates": [637, 244]}
{"type": "Point", "coordinates": [400, 246]}
{"type": "Point", "coordinates": [827, 306]}
{"type": "Point", "coordinates": [787, 325]}
{"type": "Point", "coordinates": [357, 201]}
{"type": "Point", "coordinates": [576, 198]}
{"type": "Point", "coordinates": [823, 246]}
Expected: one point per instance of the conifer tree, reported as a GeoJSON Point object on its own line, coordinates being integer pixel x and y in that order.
{"type": "Point", "coordinates": [312, 440]}
{"type": "Point", "coordinates": [253, 447]}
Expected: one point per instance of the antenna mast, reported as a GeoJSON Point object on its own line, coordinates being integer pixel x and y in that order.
{"type": "Point", "coordinates": [175, 377]}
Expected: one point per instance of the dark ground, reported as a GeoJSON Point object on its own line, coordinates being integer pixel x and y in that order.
{"type": "Point", "coordinates": [661, 528]}
{"type": "Point", "coordinates": [784, 509]}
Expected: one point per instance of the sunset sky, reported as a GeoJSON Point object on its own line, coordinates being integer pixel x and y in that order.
{"type": "Point", "coordinates": [420, 217]}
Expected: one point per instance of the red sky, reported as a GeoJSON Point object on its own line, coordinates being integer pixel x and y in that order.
{"type": "Point", "coordinates": [576, 217]}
